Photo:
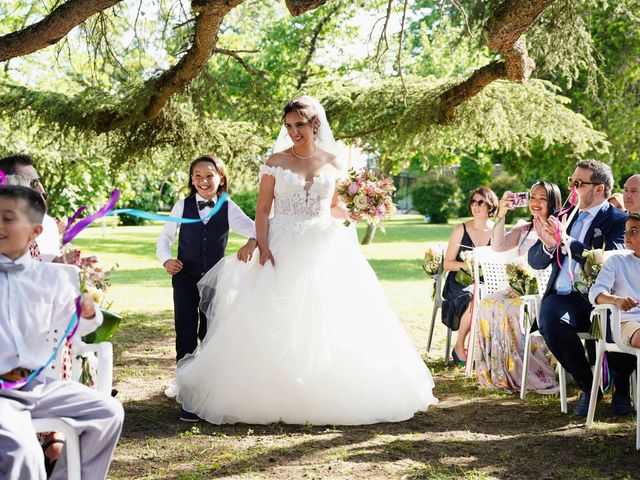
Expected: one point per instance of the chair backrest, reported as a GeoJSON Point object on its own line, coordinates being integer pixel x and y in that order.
{"type": "Point", "coordinates": [494, 268]}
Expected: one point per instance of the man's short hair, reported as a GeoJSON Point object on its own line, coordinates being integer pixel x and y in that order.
{"type": "Point", "coordinates": [34, 204]}
{"type": "Point", "coordinates": [600, 173]}
{"type": "Point", "coordinates": [8, 164]}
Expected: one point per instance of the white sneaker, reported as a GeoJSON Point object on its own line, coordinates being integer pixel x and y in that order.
{"type": "Point", "coordinates": [172, 390]}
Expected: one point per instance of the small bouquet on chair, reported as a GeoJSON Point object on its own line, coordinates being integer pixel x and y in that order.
{"type": "Point", "coordinates": [95, 281]}
{"type": "Point", "coordinates": [431, 262]}
{"type": "Point", "coordinates": [367, 194]}
{"type": "Point", "coordinates": [593, 260]}
{"type": "Point", "coordinates": [521, 278]}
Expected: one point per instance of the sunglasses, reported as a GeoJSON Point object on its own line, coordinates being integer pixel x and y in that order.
{"type": "Point", "coordinates": [480, 203]}
{"type": "Point", "coordinates": [574, 182]}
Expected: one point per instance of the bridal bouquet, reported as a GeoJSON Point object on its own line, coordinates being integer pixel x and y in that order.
{"type": "Point", "coordinates": [367, 194]}
{"type": "Point", "coordinates": [521, 278]}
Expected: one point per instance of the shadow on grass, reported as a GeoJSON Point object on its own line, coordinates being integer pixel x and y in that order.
{"type": "Point", "coordinates": [472, 434]}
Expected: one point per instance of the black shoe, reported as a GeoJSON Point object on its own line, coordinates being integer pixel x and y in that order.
{"type": "Point", "coordinates": [581, 408]}
{"type": "Point", "coordinates": [456, 359]}
{"type": "Point", "coordinates": [188, 416]}
{"type": "Point", "coordinates": [621, 403]}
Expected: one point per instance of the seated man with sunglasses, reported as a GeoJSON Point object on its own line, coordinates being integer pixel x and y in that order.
{"type": "Point", "coordinates": [565, 312]}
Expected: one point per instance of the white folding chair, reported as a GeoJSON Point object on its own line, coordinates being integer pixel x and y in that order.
{"type": "Point", "coordinates": [104, 380]}
{"type": "Point", "coordinates": [600, 314]}
{"type": "Point", "coordinates": [618, 346]}
{"type": "Point", "coordinates": [529, 312]}
{"type": "Point", "coordinates": [494, 278]}
{"type": "Point", "coordinates": [437, 304]}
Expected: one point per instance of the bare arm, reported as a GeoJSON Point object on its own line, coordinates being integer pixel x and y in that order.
{"type": "Point", "coordinates": [263, 208]}
{"type": "Point", "coordinates": [500, 241]}
{"type": "Point", "coordinates": [623, 303]}
{"type": "Point", "coordinates": [450, 262]}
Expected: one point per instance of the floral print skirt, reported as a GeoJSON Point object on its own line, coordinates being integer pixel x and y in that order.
{"type": "Point", "coordinates": [500, 345]}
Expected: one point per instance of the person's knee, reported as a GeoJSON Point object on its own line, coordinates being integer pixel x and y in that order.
{"type": "Point", "coordinates": [114, 412]}
{"type": "Point", "coordinates": [635, 339]}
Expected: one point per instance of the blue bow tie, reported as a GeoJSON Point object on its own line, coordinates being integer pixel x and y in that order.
{"type": "Point", "coordinates": [11, 267]}
{"type": "Point", "coordinates": [202, 204]}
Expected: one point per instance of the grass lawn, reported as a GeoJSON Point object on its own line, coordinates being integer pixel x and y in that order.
{"type": "Point", "coordinates": [471, 434]}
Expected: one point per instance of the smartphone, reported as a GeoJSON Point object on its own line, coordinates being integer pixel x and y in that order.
{"type": "Point", "coordinates": [520, 199]}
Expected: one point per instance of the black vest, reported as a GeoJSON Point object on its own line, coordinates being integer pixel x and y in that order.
{"type": "Point", "coordinates": [201, 246]}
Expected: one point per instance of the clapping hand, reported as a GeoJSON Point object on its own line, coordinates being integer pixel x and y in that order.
{"type": "Point", "coordinates": [546, 230]}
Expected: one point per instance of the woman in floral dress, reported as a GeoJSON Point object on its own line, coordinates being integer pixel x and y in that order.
{"type": "Point", "coordinates": [500, 343]}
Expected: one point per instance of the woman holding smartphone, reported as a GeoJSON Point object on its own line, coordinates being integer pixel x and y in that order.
{"type": "Point", "coordinates": [500, 342]}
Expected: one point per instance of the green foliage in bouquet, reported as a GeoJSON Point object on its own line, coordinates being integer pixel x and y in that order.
{"type": "Point", "coordinates": [521, 278]}
{"type": "Point", "coordinates": [464, 276]}
{"type": "Point", "coordinates": [105, 331]}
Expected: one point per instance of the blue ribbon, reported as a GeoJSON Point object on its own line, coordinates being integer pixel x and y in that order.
{"type": "Point", "coordinates": [166, 218]}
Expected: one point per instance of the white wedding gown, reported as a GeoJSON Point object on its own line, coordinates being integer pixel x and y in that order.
{"type": "Point", "coordinates": [311, 339]}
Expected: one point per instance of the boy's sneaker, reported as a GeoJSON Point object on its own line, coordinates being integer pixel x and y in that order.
{"type": "Point", "coordinates": [172, 390]}
{"type": "Point", "coordinates": [188, 416]}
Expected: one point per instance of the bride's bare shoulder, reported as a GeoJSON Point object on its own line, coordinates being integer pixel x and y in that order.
{"type": "Point", "coordinates": [278, 159]}
{"type": "Point", "coordinates": [331, 159]}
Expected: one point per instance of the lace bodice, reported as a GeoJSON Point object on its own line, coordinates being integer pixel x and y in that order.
{"type": "Point", "coordinates": [294, 197]}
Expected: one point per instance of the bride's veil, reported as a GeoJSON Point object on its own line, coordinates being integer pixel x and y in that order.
{"type": "Point", "coordinates": [324, 135]}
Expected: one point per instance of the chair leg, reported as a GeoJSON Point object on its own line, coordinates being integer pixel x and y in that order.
{"type": "Point", "coordinates": [597, 374]}
{"type": "Point", "coordinates": [525, 365]}
{"type": "Point", "coordinates": [633, 382]}
{"type": "Point", "coordinates": [433, 324]}
{"type": "Point", "coordinates": [563, 388]}
{"type": "Point", "coordinates": [472, 348]}
{"type": "Point", "coordinates": [447, 349]}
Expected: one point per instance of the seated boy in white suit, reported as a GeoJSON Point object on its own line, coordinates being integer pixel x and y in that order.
{"type": "Point", "coordinates": [34, 299]}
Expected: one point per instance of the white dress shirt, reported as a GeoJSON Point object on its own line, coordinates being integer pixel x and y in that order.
{"type": "Point", "coordinates": [620, 275]}
{"type": "Point", "coordinates": [239, 222]}
{"type": "Point", "coordinates": [49, 240]}
{"type": "Point", "coordinates": [33, 302]}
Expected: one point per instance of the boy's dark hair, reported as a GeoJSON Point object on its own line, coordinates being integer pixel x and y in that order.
{"type": "Point", "coordinates": [217, 164]}
{"type": "Point", "coordinates": [8, 164]}
{"type": "Point", "coordinates": [35, 207]}
{"type": "Point", "coordinates": [634, 216]}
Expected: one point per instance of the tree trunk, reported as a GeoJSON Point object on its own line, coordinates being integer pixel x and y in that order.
{"type": "Point", "coordinates": [371, 233]}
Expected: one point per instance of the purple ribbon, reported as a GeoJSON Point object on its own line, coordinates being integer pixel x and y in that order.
{"type": "Point", "coordinates": [74, 217]}
{"type": "Point", "coordinates": [3, 178]}
{"type": "Point", "coordinates": [73, 229]}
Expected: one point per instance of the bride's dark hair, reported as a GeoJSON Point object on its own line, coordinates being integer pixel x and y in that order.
{"type": "Point", "coordinates": [303, 108]}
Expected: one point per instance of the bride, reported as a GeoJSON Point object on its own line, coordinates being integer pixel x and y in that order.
{"type": "Point", "coordinates": [303, 333]}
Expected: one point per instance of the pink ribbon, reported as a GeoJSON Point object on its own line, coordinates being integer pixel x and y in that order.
{"type": "Point", "coordinates": [574, 200]}
{"type": "Point", "coordinates": [3, 178]}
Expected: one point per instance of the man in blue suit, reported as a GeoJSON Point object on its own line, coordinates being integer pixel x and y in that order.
{"type": "Point", "coordinates": [565, 312]}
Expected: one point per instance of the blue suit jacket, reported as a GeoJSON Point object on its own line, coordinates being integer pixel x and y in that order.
{"type": "Point", "coordinates": [607, 229]}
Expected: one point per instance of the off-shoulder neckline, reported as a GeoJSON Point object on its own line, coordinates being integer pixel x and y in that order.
{"type": "Point", "coordinates": [300, 176]}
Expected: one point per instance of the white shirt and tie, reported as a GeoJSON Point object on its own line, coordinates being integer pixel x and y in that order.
{"type": "Point", "coordinates": [239, 222]}
{"type": "Point", "coordinates": [35, 298]}
{"type": "Point", "coordinates": [578, 233]}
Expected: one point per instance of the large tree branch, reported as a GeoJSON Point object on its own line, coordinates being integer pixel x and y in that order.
{"type": "Point", "coordinates": [504, 32]}
{"type": "Point", "coordinates": [50, 29]}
